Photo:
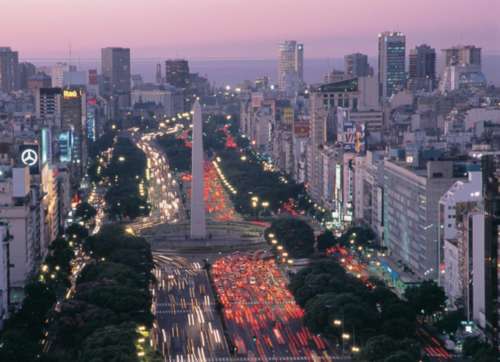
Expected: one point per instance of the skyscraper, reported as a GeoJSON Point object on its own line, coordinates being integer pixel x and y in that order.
{"type": "Point", "coordinates": [356, 65]}
{"type": "Point", "coordinates": [9, 62]}
{"type": "Point", "coordinates": [391, 63]}
{"type": "Point", "coordinates": [463, 55]}
{"type": "Point", "coordinates": [462, 69]}
{"type": "Point", "coordinates": [422, 68]}
{"type": "Point", "coordinates": [115, 63]}
{"type": "Point", "coordinates": [487, 236]}
{"type": "Point", "coordinates": [177, 73]}
{"type": "Point", "coordinates": [290, 64]}
{"type": "Point", "coordinates": [159, 78]}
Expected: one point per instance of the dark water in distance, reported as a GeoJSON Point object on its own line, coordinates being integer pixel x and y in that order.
{"type": "Point", "coordinates": [232, 72]}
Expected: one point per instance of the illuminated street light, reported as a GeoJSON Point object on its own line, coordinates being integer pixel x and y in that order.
{"type": "Point", "coordinates": [337, 322]}
{"type": "Point", "coordinates": [355, 349]}
{"type": "Point", "coordinates": [346, 336]}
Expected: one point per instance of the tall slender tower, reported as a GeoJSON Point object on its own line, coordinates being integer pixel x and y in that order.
{"type": "Point", "coordinates": [391, 63]}
{"type": "Point", "coordinates": [198, 223]}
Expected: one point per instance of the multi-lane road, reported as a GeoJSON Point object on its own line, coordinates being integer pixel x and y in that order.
{"type": "Point", "coordinates": [187, 327]}
{"type": "Point", "coordinates": [263, 320]}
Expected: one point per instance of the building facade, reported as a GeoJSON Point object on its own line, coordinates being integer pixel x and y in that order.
{"type": "Point", "coordinates": [391, 63]}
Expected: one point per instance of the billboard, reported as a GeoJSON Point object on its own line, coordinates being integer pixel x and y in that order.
{"type": "Point", "coordinates": [353, 137]}
{"type": "Point", "coordinates": [65, 143]}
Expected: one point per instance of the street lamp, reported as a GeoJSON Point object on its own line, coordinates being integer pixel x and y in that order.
{"type": "Point", "coordinates": [346, 336]}
{"type": "Point", "coordinates": [337, 322]}
{"type": "Point", "coordinates": [355, 349]}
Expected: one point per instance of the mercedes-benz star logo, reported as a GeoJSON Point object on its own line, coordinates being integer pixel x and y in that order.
{"type": "Point", "coordinates": [29, 157]}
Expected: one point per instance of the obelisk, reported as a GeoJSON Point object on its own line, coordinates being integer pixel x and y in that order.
{"type": "Point", "coordinates": [198, 223]}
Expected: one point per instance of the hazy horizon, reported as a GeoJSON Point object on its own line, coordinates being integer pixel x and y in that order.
{"type": "Point", "coordinates": [240, 29]}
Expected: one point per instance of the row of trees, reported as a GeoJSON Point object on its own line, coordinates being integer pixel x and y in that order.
{"type": "Point", "coordinates": [102, 322]}
{"type": "Point", "coordinates": [337, 303]}
{"type": "Point", "coordinates": [25, 329]}
{"type": "Point", "coordinates": [178, 155]}
{"type": "Point", "coordinates": [250, 179]}
{"type": "Point", "coordinates": [125, 173]}
{"type": "Point", "coordinates": [296, 236]}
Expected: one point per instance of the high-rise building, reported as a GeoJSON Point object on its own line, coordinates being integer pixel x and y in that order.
{"type": "Point", "coordinates": [317, 138]}
{"type": "Point", "coordinates": [290, 65]}
{"type": "Point", "coordinates": [159, 78]}
{"type": "Point", "coordinates": [422, 68]}
{"type": "Point", "coordinates": [177, 73]}
{"type": "Point", "coordinates": [9, 63]}
{"type": "Point", "coordinates": [486, 303]}
{"type": "Point", "coordinates": [48, 106]}
{"type": "Point", "coordinates": [57, 73]}
{"type": "Point", "coordinates": [356, 65]}
{"type": "Point", "coordinates": [462, 55]}
{"type": "Point", "coordinates": [462, 69]}
{"type": "Point", "coordinates": [391, 63]}
{"type": "Point", "coordinates": [74, 122]}
{"type": "Point", "coordinates": [411, 233]}
{"type": "Point", "coordinates": [115, 64]}
{"type": "Point", "coordinates": [26, 70]}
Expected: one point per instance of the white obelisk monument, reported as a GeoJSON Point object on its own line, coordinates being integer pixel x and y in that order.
{"type": "Point", "coordinates": [198, 223]}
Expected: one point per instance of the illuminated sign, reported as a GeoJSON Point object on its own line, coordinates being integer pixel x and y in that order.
{"type": "Point", "coordinates": [68, 94]}
{"type": "Point", "coordinates": [29, 157]}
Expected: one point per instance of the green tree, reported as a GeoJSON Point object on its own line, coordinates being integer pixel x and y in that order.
{"type": "Point", "coordinates": [77, 232]}
{"type": "Point", "coordinates": [378, 348]}
{"type": "Point", "coordinates": [296, 236]}
{"type": "Point", "coordinates": [427, 298]}
{"type": "Point", "coordinates": [400, 356]}
{"type": "Point", "coordinates": [326, 240]}
{"type": "Point", "coordinates": [110, 344]}
{"type": "Point", "coordinates": [85, 211]}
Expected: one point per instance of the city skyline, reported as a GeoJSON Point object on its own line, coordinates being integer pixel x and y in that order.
{"type": "Point", "coordinates": [226, 37]}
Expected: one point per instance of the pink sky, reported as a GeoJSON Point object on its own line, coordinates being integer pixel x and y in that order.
{"type": "Point", "coordinates": [240, 28]}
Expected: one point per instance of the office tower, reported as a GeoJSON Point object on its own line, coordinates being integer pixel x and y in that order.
{"type": "Point", "coordinates": [356, 65]}
{"type": "Point", "coordinates": [26, 70]}
{"type": "Point", "coordinates": [159, 79]}
{"type": "Point", "coordinates": [486, 237]}
{"type": "Point", "coordinates": [74, 122]}
{"type": "Point", "coordinates": [58, 72]}
{"type": "Point", "coordinates": [177, 73]}
{"type": "Point", "coordinates": [317, 138]}
{"type": "Point", "coordinates": [48, 106]}
{"type": "Point", "coordinates": [462, 69]}
{"type": "Point", "coordinates": [462, 55]}
{"type": "Point", "coordinates": [115, 63]}
{"type": "Point", "coordinates": [9, 62]}
{"type": "Point", "coordinates": [411, 213]}
{"type": "Point", "coordinates": [198, 222]}
{"type": "Point", "coordinates": [422, 68]}
{"type": "Point", "coordinates": [391, 63]}
{"type": "Point", "coordinates": [290, 65]}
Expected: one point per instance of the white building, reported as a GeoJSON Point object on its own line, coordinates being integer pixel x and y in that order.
{"type": "Point", "coordinates": [290, 65]}
{"type": "Point", "coordinates": [19, 209]}
{"type": "Point", "coordinates": [453, 208]}
{"type": "Point", "coordinates": [57, 73]}
{"type": "Point", "coordinates": [163, 98]}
